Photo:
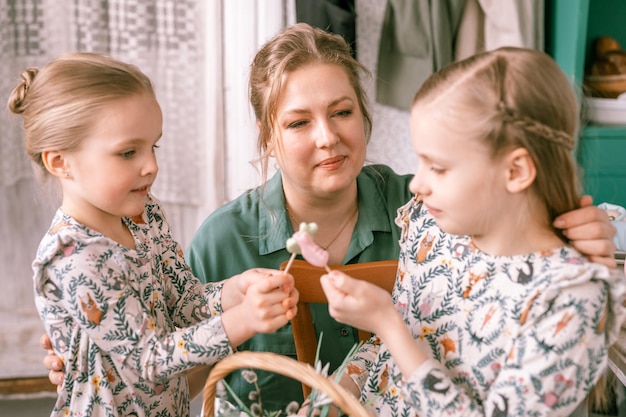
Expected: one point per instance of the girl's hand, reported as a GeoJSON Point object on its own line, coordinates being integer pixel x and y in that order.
{"type": "Point", "coordinates": [590, 231]}
{"type": "Point", "coordinates": [357, 303]}
{"type": "Point", "coordinates": [236, 287]}
{"type": "Point", "coordinates": [269, 302]}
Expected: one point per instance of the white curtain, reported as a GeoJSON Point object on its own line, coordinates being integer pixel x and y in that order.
{"type": "Point", "coordinates": [197, 53]}
{"type": "Point", "coordinates": [246, 25]}
{"type": "Point", "coordinates": [162, 37]}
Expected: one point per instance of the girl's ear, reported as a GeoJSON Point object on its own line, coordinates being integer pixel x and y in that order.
{"type": "Point", "coordinates": [55, 163]}
{"type": "Point", "coordinates": [521, 171]}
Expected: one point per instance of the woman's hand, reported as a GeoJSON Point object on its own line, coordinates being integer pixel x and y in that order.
{"type": "Point", "coordinates": [590, 232]}
{"type": "Point", "coordinates": [357, 303]}
{"type": "Point", "coordinates": [52, 362]}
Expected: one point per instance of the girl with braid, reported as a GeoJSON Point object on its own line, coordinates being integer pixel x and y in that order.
{"type": "Point", "coordinates": [502, 316]}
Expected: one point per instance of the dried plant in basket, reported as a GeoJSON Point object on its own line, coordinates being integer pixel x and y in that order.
{"type": "Point", "coordinates": [286, 366]}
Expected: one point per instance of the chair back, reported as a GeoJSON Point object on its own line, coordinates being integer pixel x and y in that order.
{"type": "Point", "coordinates": [307, 281]}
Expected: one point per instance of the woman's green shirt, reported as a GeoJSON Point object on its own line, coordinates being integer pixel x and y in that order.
{"type": "Point", "coordinates": [252, 230]}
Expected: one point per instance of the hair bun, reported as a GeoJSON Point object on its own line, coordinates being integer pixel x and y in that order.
{"type": "Point", "coordinates": [17, 97]}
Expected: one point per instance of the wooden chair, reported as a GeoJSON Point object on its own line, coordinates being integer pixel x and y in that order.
{"type": "Point", "coordinates": [307, 280]}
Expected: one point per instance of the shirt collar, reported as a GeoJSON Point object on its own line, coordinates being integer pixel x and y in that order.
{"type": "Point", "coordinates": [372, 203]}
{"type": "Point", "coordinates": [274, 225]}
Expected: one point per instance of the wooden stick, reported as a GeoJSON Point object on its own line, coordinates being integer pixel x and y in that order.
{"type": "Point", "coordinates": [293, 256]}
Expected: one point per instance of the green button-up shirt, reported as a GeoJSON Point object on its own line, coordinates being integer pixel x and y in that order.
{"type": "Point", "coordinates": [252, 230]}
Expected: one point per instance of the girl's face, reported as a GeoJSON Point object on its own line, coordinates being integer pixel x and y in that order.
{"type": "Point", "coordinates": [461, 184]}
{"type": "Point", "coordinates": [322, 144]}
{"type": "Point", "coordinates": [111, 172]}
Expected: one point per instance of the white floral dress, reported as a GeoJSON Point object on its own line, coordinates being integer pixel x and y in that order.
{"type": "Point", "coordinates": [519, 336]}
{"type": "Point", "coordinates": [127, 323]}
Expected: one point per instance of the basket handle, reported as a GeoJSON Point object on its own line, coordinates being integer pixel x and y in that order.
{"type": "Point", "coordinates": [283, 365]}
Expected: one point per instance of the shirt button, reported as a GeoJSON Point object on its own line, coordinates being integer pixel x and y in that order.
{"type": "Point", "coordinates": [344, 332]}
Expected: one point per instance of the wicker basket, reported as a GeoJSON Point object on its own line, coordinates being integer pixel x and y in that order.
{"type": "Point", "coordinates": [282, 365]}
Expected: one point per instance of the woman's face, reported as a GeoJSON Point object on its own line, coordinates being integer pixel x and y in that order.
{"type": "Point", "coordinates": [321, 136]}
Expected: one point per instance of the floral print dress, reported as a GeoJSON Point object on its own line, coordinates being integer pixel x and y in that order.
{"type": "Point", "coordinates": [127, 323]}
{"type": "Point", "coordinates": [517, 335]}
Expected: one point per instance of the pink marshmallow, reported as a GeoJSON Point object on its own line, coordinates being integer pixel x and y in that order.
{"type": "Point", "coordinates": [311, 252]}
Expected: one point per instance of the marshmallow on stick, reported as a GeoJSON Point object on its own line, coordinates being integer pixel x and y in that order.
{"type": "Point", "coordinates": [302, 243]}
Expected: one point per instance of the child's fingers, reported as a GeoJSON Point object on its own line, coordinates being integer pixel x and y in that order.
{"type": "Point", "coordinates": [336, 285]}
{"type": "Point", "coordinates": [252, 276]}
{"type": "Point", "coordinates": [291, 313]}
{"type": "Point", "coordinates": [291, 302]}
{"type": "Point", "coordinates": [290, 305]}
{"type": "Point", "coordinates": [271, 318]}
{"type": "Point", "coordinates": [274, 299]}
{"type": "Point", "coordinates": [289, 282]}
{"type": "Point", "coordinates": [271, 325]}
{"type": "Point", "coordinates": [275, 280]}
{"type": "Point", "coordinates": [263, 297]}
{"type": "Point", "coordinates": [270, 301]}
{"type": "Point", "coordinates": [44, 342]}
{"type": "Point", "coordinates": [329, 287]}
{"type": "Point", "coordinates": [272, 311]}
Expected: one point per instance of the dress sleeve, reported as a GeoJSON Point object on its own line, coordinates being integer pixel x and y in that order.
{"type": "Point", "coordinates": [88, 289]}
{"type": "Point", "coordinates": [543, 375]}
{"type": "Point", "coordinates": [187, 300]}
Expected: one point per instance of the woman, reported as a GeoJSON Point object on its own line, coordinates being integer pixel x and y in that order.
{"type": "Point", "coordinates": [314, 120]}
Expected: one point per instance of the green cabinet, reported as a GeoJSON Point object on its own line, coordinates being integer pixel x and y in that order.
{"type": "Point", "coordinates": [571, 27]}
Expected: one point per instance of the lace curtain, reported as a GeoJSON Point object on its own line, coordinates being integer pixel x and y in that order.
{"type": "Point", "coordinates": [197, 54]}
{"type": "Point", "coordinates": [162, 37]}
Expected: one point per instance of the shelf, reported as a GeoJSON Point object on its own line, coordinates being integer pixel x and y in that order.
{"type": "Point", "coordinates": [605, 132]}
{"type": "Point", "coordinates": [571, 28]}
{"type": "Point", "coordinates": [602, 156]}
